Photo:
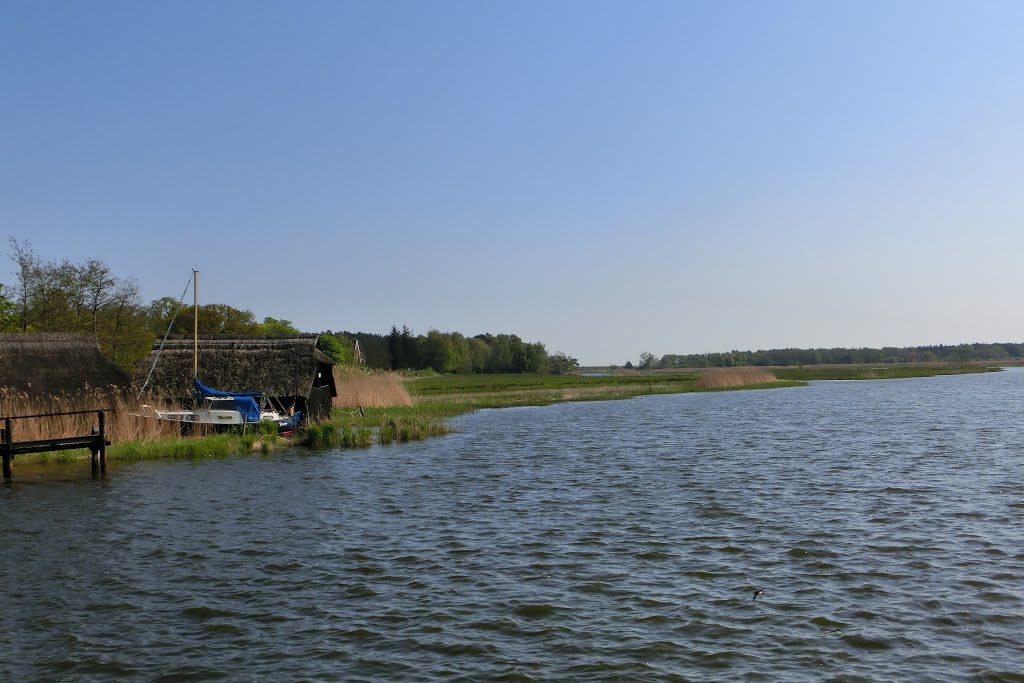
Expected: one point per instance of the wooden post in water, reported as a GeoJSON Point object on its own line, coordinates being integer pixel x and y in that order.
{"type": "Point", "coordinates": [103, 442]}
{"type": "Point", "coordinates": [8, 448]}
{"type": "Point", "coordinates": [94, 460]}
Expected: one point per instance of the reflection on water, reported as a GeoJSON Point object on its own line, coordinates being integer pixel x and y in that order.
{"type": "Point", "coordinates": [589, 541]}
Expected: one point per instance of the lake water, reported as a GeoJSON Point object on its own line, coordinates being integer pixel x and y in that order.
{"type": "Point", "coordinates": [613, 541]}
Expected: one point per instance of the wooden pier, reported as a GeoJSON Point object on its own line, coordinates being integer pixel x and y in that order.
{"type": "Point", "coordinates": [96, 442]}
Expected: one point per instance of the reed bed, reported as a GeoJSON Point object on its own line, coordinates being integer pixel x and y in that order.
{"type": "Point", "coordinates": [329, 435]}
{"type": "Point", "coordinates": [734, 377]}
{"type": "Point", "coordinates": [411, 428]}
{"type": "Point", "coordinates": [358, 388]}
{"type": "Point", "coordinates": [210, 446]}
{"type": "Point", "coordinates": [126, 419]}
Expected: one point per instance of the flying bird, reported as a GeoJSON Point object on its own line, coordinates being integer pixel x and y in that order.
{"type": "Point", "coordinates": [758, 592]}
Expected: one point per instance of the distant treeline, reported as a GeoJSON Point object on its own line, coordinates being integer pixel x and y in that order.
{"type": "Point", "coordinates": [88, 297]}
{"type": "Point", "coordinates": [839, 356]}
{"type": "Point", "coordinates": [449, 352]}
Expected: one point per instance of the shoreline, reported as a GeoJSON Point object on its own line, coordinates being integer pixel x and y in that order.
{"type": "Point", "coordinates": [437, 399]}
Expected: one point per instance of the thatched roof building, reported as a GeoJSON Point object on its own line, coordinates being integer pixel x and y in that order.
{"type": "Point", "coordinates": [46, 365]}
{"type": "Point", "coordinates": [290, 369]}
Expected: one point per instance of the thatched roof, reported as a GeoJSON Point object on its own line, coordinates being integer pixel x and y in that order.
{"type": "Point", "coordinates": [278, 366]}
{"type": "Point", "coordinates": [54, 364]}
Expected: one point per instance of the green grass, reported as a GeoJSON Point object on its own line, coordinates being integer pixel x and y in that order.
{"type": "Point", "coordinates": [411, 428]}
{"type": "Point", "coordinates": [441, 385]}
{"type": "Point", "coordinates": [215, 445]}
{"type": "Point", "coordinates": [209, 446]}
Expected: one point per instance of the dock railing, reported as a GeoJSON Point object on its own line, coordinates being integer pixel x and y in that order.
{"type": "Point", "coordinates": [96, 442]}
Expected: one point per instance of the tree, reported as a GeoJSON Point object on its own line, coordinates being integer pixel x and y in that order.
{"type": "Point", "coordinates": [504, 354]}
{"type": "Point", "coordinates": [160, 313]}
{"type": "Point", "coordinates": [536, 360]}
{"type": "Point", "coordinates": [409, 349]}
{"type": "Point", "coordinates": [374, 347]}
{"type": "Point", "coordinates": [479, 354]}
{"type": "Point", "coordinates": [277, 326]}
{"type": "Point", "coordinates": [45, 292]}
{"type": "Point", "coordinates": [435, 351]}
{"type": "Point", "coordinates": [213, 319]}
{"type": "Point", "coordinates": [97, 287]}
{"type": "Point", "coordinates": [8, 313]}
{"type": "Point", "coordinates": [458, 353]}
{"type": "Point", "coordinates": [80, 298]}
{"type": "Point", "coordinates": [124, 335]}
{"type": "Point", "coordinates": [560, 363]}
{"type": "Point", "coordinates": [334, 348]}
{"type": "Point", "coordinates": [395, 347]}
{"type": "Point", "coordinates": [28, 273]}
{"type": "Point", "coordinates": [647, 361]}
{"type": "Point", "coordinates": [226, 320]}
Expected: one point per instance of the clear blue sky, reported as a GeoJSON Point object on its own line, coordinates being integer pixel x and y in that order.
{"type": "Point", "coordinates": [608, 178]}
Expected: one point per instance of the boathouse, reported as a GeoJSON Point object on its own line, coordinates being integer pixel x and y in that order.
{"type": "Point", "coordinates": [291, 370]}
{"type": "Point", "coordinates": [45, 366]}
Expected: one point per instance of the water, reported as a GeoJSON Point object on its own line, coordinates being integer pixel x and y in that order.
{"type": "Point", "coordinates": [590, 541]}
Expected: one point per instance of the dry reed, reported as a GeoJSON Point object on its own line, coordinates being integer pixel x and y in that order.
{"type": "Point", "coordinates": [734, 377]}
{"type": "Point", "coordinates": [369, 389]}
{"type": "Point", "coordinates": [125, 421]}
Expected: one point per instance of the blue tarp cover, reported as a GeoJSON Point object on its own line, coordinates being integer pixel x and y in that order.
{"type": "Point", "coordinates": [247, 408]}
{"type": "Point", "coordinates": [203, 391]}
{"type": "Point", "coordinates": [244, 401]}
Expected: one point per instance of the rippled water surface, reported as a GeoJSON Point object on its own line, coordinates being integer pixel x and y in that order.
{"type": "Point", "coordinates": [588, 541]}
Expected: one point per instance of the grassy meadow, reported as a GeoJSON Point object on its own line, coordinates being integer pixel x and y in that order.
{"type": "Point", "coordinates": [385, 407]}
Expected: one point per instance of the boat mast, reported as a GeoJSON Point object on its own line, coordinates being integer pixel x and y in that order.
{"type": "Point", "coordinates": [195, 324]}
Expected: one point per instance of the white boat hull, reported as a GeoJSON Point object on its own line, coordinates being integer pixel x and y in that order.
{"type": "Point", "coordinates": [214, 417]}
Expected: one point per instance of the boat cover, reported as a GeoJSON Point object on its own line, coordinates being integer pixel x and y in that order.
{"type": "Point", "coordinates": [203, 391]}
{"type": "Point", "coordinates": [244, 401]}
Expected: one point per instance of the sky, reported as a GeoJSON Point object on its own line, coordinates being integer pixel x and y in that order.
{"type": "Point", "coordinates": [607, 178]}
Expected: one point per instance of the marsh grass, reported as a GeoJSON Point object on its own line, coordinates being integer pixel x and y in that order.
{"type": "Point", "coordinates": [356, 437]}
{"type": "Point", "coordinates": [411, 428]}
{"type": "Point", "coordinates": [426, 388]}
{"type": "Point", "coordinates": [322, 435]}
{"type": "Point", "coordinates": [358, 388]}
{"type": "Point", "coordinates": [262, 436]}
{"type": "Point", "coordinates": [210, 446]}
{"type": "Point", "coordinates": [734, 377]}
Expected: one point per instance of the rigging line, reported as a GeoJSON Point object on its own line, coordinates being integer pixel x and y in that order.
{"type": "Point", "coordinates": [164, 340]}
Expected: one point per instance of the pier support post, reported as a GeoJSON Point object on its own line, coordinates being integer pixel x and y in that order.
{"type": "Point", "coordinates": [103, 442]}
{"type": "Point", "coordinates": [8, 454]}
{"type": "Point", "coordinates": [94, 460]}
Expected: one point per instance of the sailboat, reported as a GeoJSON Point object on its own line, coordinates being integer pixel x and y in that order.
{"type": "Point", "coordinates": [229, 408]}
{"type": "Point", "coordinates": [213, 407]}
